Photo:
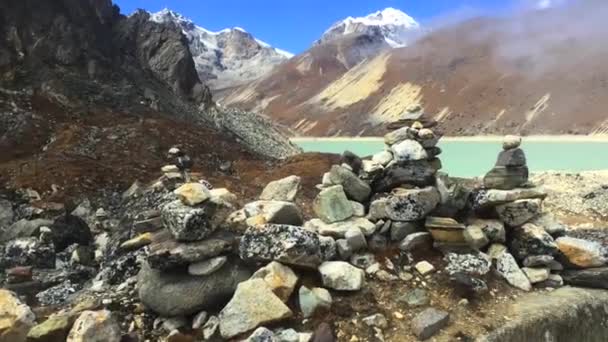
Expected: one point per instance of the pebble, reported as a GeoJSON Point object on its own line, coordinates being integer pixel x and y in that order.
{"type": "Point", "coordinates": [424, 267]}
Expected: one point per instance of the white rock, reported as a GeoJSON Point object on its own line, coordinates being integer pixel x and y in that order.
{"type": "Point", "coordinates": [207, 267]}
{"type": "Point", "coordinates": [383, 157]}
{"type": "Point", "coordinates": [424, 267]}
{"type": "Point", "coordinates": [340, 275]}
{"type": "Point", "coordinates": [408, 150]}
{"type": "Point", "coordinates": [536, 275]}
{"type": "Point", "coordinates": [284, 189]}
{"type": "Point", "coordinates": [95, 326]}
{"type": "Point", "coordinates": [507, 267]}
{"type": "Point", "coordinates": [313, 300]}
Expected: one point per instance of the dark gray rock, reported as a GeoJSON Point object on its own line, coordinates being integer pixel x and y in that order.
{"type": "Point", "coordinates": [506, 178]}
{"type": "Point", "coordinates": [176, 294]}
{"type": "Point", "coordinates": [466, 285]}
{"type": "Point", "coordinates": [286, 244]}
{"type": "Point", "coordinates": [513, 157]}
{"type": "Point", "coordinates": [529, 240]}
{"type": "Point", "coordinates": [377, 243]}
{"type": "Point", "coordinates": [415, 241]}
{"type": "Point", "coordinates": [170, 254]}
{"type": "Point", "coordinates": [591, 277]}
{"type": "Point", "coordinates": [355, 188]}
{"type": "Point", "coordinates": [419, 173]}
{"type": "Point", "coordinates": [519, 212]}
{"type": "Point", "coordinates": [29, 251]}
{"type": "Point", "coordinates": [429, 322]}
{"type": "Point", "coordinates": [68, 230]}
{"type": "Point", "coordinates": [399, 230]}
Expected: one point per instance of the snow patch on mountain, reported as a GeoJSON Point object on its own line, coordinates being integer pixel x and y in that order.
{"type": "Point", "coordinates": [395, 26]}
{"type": "Point", "coordinates": [228, 57]}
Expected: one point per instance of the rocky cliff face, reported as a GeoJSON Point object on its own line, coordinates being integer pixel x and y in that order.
{"type": "Point", "coordinates": [226, 58]}
{"type": "Point", "coordinates": [83, 56]}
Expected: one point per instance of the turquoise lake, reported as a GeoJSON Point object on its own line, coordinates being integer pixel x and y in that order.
{"type": "Point", "coordinates": [475, 158]}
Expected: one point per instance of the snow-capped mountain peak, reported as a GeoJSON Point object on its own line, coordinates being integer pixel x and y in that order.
{"type": "Point", "coordinates": [396, 26]}
{"type": "Point", "coordinates": [227, 57]}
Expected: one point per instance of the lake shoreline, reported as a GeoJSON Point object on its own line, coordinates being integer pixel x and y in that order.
{"type": "Point", "coordinates": [477, 138]}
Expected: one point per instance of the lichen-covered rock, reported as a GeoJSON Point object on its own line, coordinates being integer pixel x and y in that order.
{"type": "Point", "coordinates": [473, 264]}
{"type": "Point", "coordinates": [176, 294]}
{"type": "Point", "coordinates": [519, 212]}
{"type": "Point", "coordinates": [507, 267]}
{"type": "Point", "coordinates": [408, 150]}
{"type": "Point", "coordinates": [16, 318]}
{"type": "Point", "coordinates": [285, 189]}
{"type": "Point", "coordinates": [252, 305]}
{"type": "Point", "coordinates": [331, 205]}
{"type": "Point", "coordinates": [95, 326]}
{"type": "Point", "coordinates": [530, 240]}
{"type": "Point", "coordinates": [582, 253]}
{"type": "Point", "coordinates": [283, 243]}
{"type": "Point", "coordinates": [171, 254]}
{"type": "Point", "coordinates": [487, 198]}
{"type": "Point", "coordinates": [354, 188]}
{"type": "Point", "coordinates": [188, 223]}
{"type": "Point", "coordinates": [405, 204]}
{"type": "Point", "coordinates": [39, 253]}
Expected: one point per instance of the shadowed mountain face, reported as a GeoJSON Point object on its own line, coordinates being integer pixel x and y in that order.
{"type": "Point", "coordinates": [541, 72]}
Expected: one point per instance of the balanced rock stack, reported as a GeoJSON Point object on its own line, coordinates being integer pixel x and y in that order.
{"type": "Point", "coordinates": [510, 170]}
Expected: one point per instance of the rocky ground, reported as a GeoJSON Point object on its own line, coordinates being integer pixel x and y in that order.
{"type": "Point", "coordinates": [313, 248]}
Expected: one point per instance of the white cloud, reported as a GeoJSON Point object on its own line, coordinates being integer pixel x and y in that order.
{"type": "Point", "coordinates": [544, 4]}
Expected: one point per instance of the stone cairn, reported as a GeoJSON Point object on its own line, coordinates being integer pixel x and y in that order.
{"type": "Point", "coordinates": [223, 272]}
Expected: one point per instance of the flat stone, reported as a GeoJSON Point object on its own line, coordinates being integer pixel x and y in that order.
{"type": "Point", "coordinates": [506, 178]}
{"type": "Point", "coordinates": [206, 267]}
{"type": "Point", "coordinates": [511, 141]}
{"type": "Point", "coordinates": [192, 193]}
{"type": "Point", "coordinates": [536, 275]}
{"type": "Point", "coordinates": [354, 188]}
{"type": "Point", "coordinates": [170, 254]}
{"type": "Point", "coordinates": [252, 305]}
{"type": "Point", "coordinates": [494, 230]}
{"type": "Point", "coordinates": [16, 318]}
{"type": "Point", "coordinates": [188, 223]}
{"type": "Point", "coordinates": [519, 212]}
{"type": "Point", "coordinates": [582, 253]}
{"type": "Point", "coordinates": [538, 261]}
{"type": "Point", "coordinates": [401, 134]}
{"type": "Point", "coordinates": [444, 229]}
{"type": "Point", "coordinates": [95, 326]}
{"type": "Point", "coordinates": [278, 212]}
{"type": "Point", "coordinates": [429, 322]}
{"type": "Point", "coordinates": [408, 150]}
{"type": "Point", "coordinates": [283, 243]}
{"type": "Point", "coordinates": [511, 158]}
{"type": "Point", "coordinates": [148, 225]}
{"type": "Point", "coordinates": [339, 229]}
{"type": "Point", "coordinates": [280, 278]}
{"type": "Point", "coordinates": [176, 294]}
{"type": "Point", "coordinates": [591, 277]}
{"type": "Point", "coordinates": [399, 230]}
{"type": "Point", "coordinates": [313, 300]}
{"type": "Point", "coordinates": [405, 204]}
{"type": "Point", "coordinates": [553, 281]}
{"type": "Point", "coordinates": [415, 241]}
{"type": "Point", "coordinates": [424, 267]}
{"type": "Point", "coordinates": [416, 297]}
{"type": "Point", "coordinates": [530, 240]}
{"type": "Point", "coordinates": [507, 267]}
{"type": "Point", "coordinates": [331, 205]}
{"type": "Point", "coordinates": [419, 173]}
{"type": "Point", "coordinates": [475, 237]}
{"type": "Point", "coordinates": [19, 274]}
{"type": "Point", "coordinates": [487, 198]}
{"type": "Point", "coordinates": [342, 276]}
{"type": "Point", "coordinates": [285, 189]}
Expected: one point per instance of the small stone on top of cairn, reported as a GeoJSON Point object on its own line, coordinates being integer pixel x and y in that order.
{"type": "Point", "coordinates": [510, 170]}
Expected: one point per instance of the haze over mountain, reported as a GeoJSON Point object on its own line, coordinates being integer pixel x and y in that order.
{"type": "Point", "coordinates": [538, 72]}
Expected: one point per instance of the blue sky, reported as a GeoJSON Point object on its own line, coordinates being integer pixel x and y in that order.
{"type": "Point", "coordinates": [293, 25]}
